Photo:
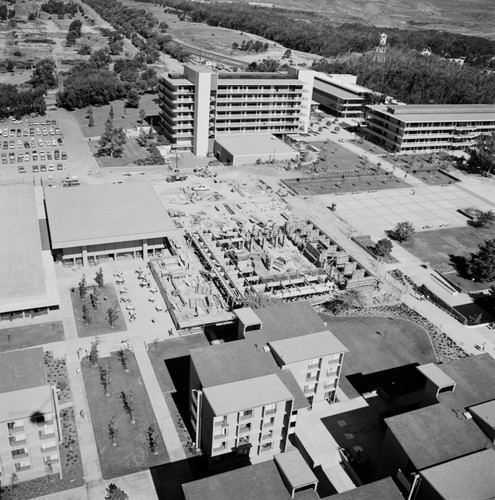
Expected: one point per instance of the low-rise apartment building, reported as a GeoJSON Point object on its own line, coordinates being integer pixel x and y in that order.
{"type": "Point", "coordinates": [29, 434]}
{"type": "Point", "coordinates": [411, 129]}
{"type": "Point", "coordinates": [201, 105]}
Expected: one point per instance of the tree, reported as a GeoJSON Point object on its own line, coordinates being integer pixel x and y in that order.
{"type": "Point", "coordinates": [133, 99]}
{"type": "Point", "coordinates": [116, 47]}
{"type": "Point", "coordinates": [259, 300]}
{"type": "Point", "coordinates": [482, 159]}
{"type": "Point", "coordinates": [481, 266]}
{"type": "Point", "coordinates": [287, 54]}
{"type": "Point", "coordinates": [111, 113]}
{"type": "Point", "coordinates": [383, 247]}
{"type": "Point", "coordinates": [44, 74]}
{"type": "Point", "coordinates": [48, 469]}
{"type": "Point", "coordinates": [94, 353]}
{"type": "Point", "coordinates": [105, 379]}
{"type": "Point", "coordinates": [112, 315]}
{"type": "Point", "coordinates": [115, 493]}
{"type": "Point", "coordinates": [86, 316]}
{"type": "Point", "coordinates": [403, 231]}
{"type": "Point", "coordinates": [123, 356]}
{"type": "Point", "coordinates": [100, 281]}
{"type": "Point", "coordinates": [142, 115]}
{"type": "Point", "coordinates": [152, 439]}
{"type": "Point", "coordinates": [83, 287]}
{"type": "Point", "coordinates": [113, 430]}
{"type": "Point", "coordinates": [14, 479]}
{"type": "Point", "coordinates": [9, 65]}
{"type": "Point", "coordinates": [84, 50]}
{"type": "Point", "coordinates": [127, 399]}
{"type": "Point", "coordinates": [491, 292]}
{"type": "Point", "coordinates": [100, 59]}
{"type": "Point", "coordinates": [76, 27]}
{"type": "Point", "coordinates": [32, 16]}
{"type": "Point", "coordinates": [91, 120]}
{"type": "Point", "coordinates": [94, 298]}
{"type": "Point", "coordinates": [485, 219]}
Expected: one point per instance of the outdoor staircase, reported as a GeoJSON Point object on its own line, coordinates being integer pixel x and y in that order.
{"type": "Point", "coordinates": [330, 459]}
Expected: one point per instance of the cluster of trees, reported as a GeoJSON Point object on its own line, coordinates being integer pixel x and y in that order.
{"type": "Point", "coordinates": [15, 102]}
{"type": "Point", "coordinates": [60, 8]}
{"type": "Point", "coordinates": [75, 32]}
{"type": "Point", "coordinates": [416, 79]}
{"type": "Point", "coordinates": [482, 156]}
{"type": "Point", "coordinates": [112, 140]}
{"type": "Point", "coordinates": [481, 265]}
{"type": "Point", "coordinates": [6, 13]}
{"type": "Point", "coordinates": [251, 46]}
{"type": "Point", "coordinates": [147, 140]}
{"type": "Point", "coordinates": [309, 33]}
{"type": "Point", "coordinates": [44, 75]}
{"type": "Point", "coordinates": [267, 66]}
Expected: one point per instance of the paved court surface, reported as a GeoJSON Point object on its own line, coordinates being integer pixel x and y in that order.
{"type": "Point", "coordinates": [427, 207]}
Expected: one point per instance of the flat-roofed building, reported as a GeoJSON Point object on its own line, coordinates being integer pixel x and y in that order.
{"type": "Point", "coordinates": [429, 128]}
{"type": "Point", "coordinates": [201, 105]}
{"type": "Point", "coordinates": [106, 221]}
{"type": "Point", "coordinates": [241, 402]}
{"type": "Point", "coordinates": [340, 95]}
{"type": "Point", "coordinates": [27, 275]}
{"type": "Point", "coordinates": [30, 428]}
{"type": "Point", "coordinates": [251, 149]}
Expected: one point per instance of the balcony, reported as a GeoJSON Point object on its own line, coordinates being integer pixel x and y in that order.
{"type": "Point", "coordinates": [219, 437]}
{"type": "Point", "coordinates": [244, 429]}
{"type": "Point", "coordinates": [243, 441]}
{"type": "Point", "coordinates": [221, 423]}
{"type": "Point", "coordinates": [311, 378]}
{"type": "Point", "coordinates": [221, 447]}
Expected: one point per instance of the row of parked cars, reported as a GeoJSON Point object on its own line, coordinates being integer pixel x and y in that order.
{"type": "Point", "coordinates": [42, 155]}
{"type": "Point", "coordinates": [41, 168]}
{"type": "Point", "coordinates": [31, 143]}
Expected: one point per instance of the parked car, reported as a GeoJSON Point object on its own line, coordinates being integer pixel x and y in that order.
{"type": "Point", "coordinates": [64, 155]}
{"type": "Point", "coordinates": [43, 168]}
{"type": "Point", "coordinates": [21, 169]}
{"type": "Point", "coordinates": [36, 168]}
{"type": "Point", "coordinates": [60, 166]}
{"type": "Point", "coordinates": [51, 167]}
{"type": "Point", "coordinates": [200, 187]}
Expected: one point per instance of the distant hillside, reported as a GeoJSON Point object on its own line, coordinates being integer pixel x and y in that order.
{"type": "Point", "coordinates": [468, 17]}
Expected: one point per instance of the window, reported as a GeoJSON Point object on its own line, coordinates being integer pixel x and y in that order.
{"type": "Point", "coordinates": [311, 376]}
{"type": "Point", "coordinates": [266, 446]}
{"type": "Point", "coordinates": [245, 428]}
{"type": "Point", "coordinates": [20, 466]}
{"type": "Point", "coordinates": [247, 414]}
{"type": "Point", "coordinates": [269, 409]}
{"type": "Point", "coordinates": [17, 425]}
{"type": "Point", "coordinates": [19, 452]}
{"type": "Point", "coordinates": [314, 363]}
{"type": "Point", "coordinates": [17, 439]}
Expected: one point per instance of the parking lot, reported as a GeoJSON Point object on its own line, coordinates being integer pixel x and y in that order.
{"type": "Point", "coordinates": [32, 145]}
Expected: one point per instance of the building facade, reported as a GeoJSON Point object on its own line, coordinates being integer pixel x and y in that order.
{"type": "Point", "coordinates": [29, 442]}
{"type": "Point", "coordinates": [200, 105]}
{"type": "Point", "coordinates": [340, 95]}
{"type": "Point", "coordinates": [413, 129]}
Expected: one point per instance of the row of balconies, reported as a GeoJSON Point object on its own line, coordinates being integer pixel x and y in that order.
{"type": "Point", "coordinates": [259, 90]}
{"type": "Point", "coordinates": [255, 116]}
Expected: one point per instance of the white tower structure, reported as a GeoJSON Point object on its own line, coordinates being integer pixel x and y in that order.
{"type": "Point", "coordinates": [381, 49]}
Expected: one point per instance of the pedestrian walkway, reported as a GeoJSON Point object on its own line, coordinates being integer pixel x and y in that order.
{"type": "Point", "coordinates": [162, 413]}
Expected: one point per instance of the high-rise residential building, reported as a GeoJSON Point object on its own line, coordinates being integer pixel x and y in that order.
{"type": "Point", "coordinates": [201, 105]}
{"type": "Point", "coordinates": [429, 128]}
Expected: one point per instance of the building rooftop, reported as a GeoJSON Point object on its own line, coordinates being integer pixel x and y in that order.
{"type": "Point", "coordinates": [21, 265]}
{"type": "Point", "coordinates": [255, 80]}
{"type": "Point", "coordinates": [472, 476]}
{"type": "Point", "coordinates": [331, 88]}
{"type": "Point", "coordinates": [437, 113]}
{"type": "Point", "coordinates": [22, 369]}
{"type": "Point", "coordinates": [254, 482]}
{"type": "Point", "coordinates": [436, 375]}
{"type": "Point", "coordinates": [105, 213]}
{"type": "Point", "coordinates": [310, 346]}
{"type": "Point", "coordinates": [342, 80]}
{"type": "Point", "coordinates": [284, 321]}
{"type": "Point", "coordinates": [295, 469]}
{"type": "Point", "coordinates": [251, 144]}
{"type": "Point", "coordinates": [384, 489]}
{"type": "Point", "coordinates": [231, 362]}
{"type": "Point", "coordinates": [485, 412]}
{"type": "Point", "coordinates": [25, 403]}
{"type": "Point", "coordinates": [247, 394]}
{"type": "Point", "coordinates": [474, 376]}
{"type": "Point", "coordinates": [435, 434]}
{"type": "Point", "coordinates": [247, 316]}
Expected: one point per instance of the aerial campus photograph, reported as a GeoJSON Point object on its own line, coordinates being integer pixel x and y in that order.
{"type": "Point", "coordinates": [247, 250]}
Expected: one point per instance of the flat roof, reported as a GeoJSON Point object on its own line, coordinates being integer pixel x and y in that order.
{"type": "Point", "coordinates": [384, 489]}
{"type": "Point", "coordinates": [253, 144]}
{"type": "Point", "coordinates": [247, 394]}
{"type": "Point", "coordinates": [435, 434]}
{"type": "Point", "coordinates": [282, 321]}
{"type": "Point", "coordinates": [254, 482]}
{"type": "Point", "coordinates": [105, 213]}
{"type": "Point", "coordinates": [231, 362]}
{"type": "Point", "coordinates": [247, 316]}
{"type": "Point", "coordinates": [22, 369]}
{"type": "Point", "coordinates": [436, 375]}
{"type": "Point", "coordinates": [475, 381]}
{"type": "Point", "coordinates": [295, 469]}
{"type": "Point", "coordinates": [253, 81]}
{"type": "Point", "coordinates": [26, 402]}
{"type": "Point", "coordinates": [437, 113]}
{"type": "Point", "coordinates": [485, 412]}
{"type": "Point", "coordinates": [336, 79]}
{"type": "Point", "coordinates": [472, 476]}
{"type": "Point", "coordinates": [21, 263]}
{"type": "Point", "coordinates": [331, 88]}
{"type": "Point", "coordinates": [306, 347]}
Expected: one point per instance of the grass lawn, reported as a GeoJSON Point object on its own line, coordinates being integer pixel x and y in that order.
{"type": "Point", "coordinates": [437, 246]}
{"type": "Point", "coordinates": [22, 370]}
{"type": "Point", "coordinates": [99, 324]}
{"type": "Point", "coordinates": [123, 117]}
{"type": "Point", "coordinates": [308, 187]}
{"type": "Point", "coordinates": [132, 453]}
{"type": "Point", "coordinates": [398, 343]}
{"type": "Point", "coordinates": [21, 337]}
{"type": "Point", "coordinates": [132, 151]}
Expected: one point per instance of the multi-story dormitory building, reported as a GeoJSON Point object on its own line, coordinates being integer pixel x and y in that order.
{"type": "Point", "coordinates": [429, 128]}
{"type": "Point", "coordinates": [201, 105]}
{"type": "Point", "coordinates": [245, 395]}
